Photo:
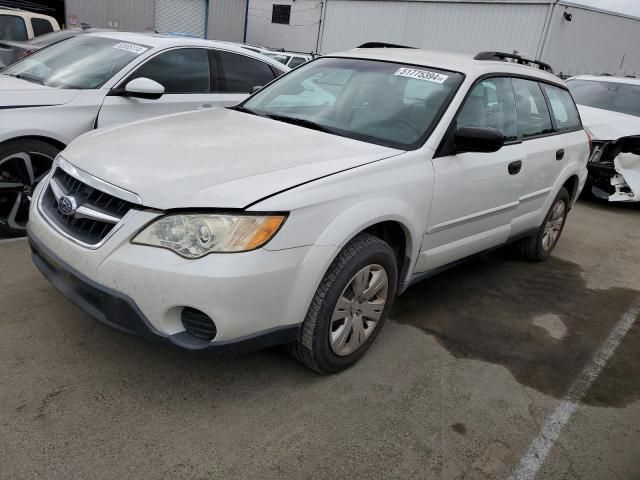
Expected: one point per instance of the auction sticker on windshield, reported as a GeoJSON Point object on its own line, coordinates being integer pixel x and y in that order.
{"type": "Point", "coordinates": [130, 47]}
{"type": "Point", "coordinates": [425, 75]}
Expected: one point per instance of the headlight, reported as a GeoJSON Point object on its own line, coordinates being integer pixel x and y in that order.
{"type": "Point", "coordinates": [196, 235]}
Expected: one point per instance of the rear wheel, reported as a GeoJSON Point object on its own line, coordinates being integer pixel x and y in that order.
{"type": "Point", "coordinates": [349, 307]}
{"type": "Point", "coordinates": [540, 246]}
{"type": "Point", "coordinates": [23, 163]}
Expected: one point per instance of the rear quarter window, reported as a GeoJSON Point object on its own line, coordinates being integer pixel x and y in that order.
{"type": "Point", "coordinates": [41, 26]}
{"type": "Point", "coordinates": [563, 108]}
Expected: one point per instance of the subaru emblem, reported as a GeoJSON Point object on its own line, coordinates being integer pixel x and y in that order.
{"type": "Point", "coordinates": [67, 205]}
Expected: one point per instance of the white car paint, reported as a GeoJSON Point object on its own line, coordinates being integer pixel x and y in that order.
{"type": "Point", "coordinates": [609, 126]}
{"type": "Point", "coordinates": [64, 114]}
{"type": "Point", "coordinates": [331, 187]}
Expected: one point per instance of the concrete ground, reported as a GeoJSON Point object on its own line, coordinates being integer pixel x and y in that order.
{"type": "Point", "coordinates": [458, 386]}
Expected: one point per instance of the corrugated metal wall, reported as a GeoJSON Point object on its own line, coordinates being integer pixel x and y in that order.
{"type": "Point", "coordinates": [593, 42]}
{"type": "Point", "coordinates": [184, 16]}
{"type": "Point", "coordinates": [226, 17]}
{"type": "Point", "coordinates": [226, 20]}
{"type": "Point", "coordinates": [300, 35]}
{"type": "Point", "coordinates": [458, 27]}
{"type": "Point", "coordinates": [127, 15]}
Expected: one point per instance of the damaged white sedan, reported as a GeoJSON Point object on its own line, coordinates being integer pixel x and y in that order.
{"type": "Point", "coordinates": [610, 110]}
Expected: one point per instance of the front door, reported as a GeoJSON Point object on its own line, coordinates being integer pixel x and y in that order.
{"type": "Point", "coordinates": [185, 73]}
{"type": "Point", "coordinates": [475, 194]}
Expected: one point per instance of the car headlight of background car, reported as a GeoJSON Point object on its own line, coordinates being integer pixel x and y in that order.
{"type": "Point", "coordinates": [198, 234]}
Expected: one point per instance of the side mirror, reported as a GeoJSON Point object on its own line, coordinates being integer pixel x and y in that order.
{"type": "Point", "coordinates": [144, 88]}
{"type": "Point", "coordinates": [478, 139]}
{"type": "Point", "coordinates": [255, 89]}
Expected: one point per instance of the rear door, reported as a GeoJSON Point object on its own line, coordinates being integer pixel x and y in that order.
{"type": "Point", "coordinates": [542, 144]}
{"type": "Point", "coordinates": [185, 73]}
{"type": "Point", "coordinates": [238, 74]}
{"type": "Point", "coordinates": [567, 123]}
{"type": "Point", "coordinates": [475, 194]}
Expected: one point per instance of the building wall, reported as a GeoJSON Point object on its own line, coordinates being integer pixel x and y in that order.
{"type": "Point", "coordinates": [458, 27]}
{"type": "Point", "coordinates": [125, 15]}
{"type": "Point", "coordinates": [302, 33]}
{"type": "Point", "coordinates": [226, 20]}
{"type": "Point", "coordinates": [593, 42]}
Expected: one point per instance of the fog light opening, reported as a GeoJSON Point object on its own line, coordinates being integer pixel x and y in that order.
{"type": "Point", "coordinates": [198, 324]}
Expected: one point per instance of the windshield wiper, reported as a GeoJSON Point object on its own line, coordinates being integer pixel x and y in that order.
{"type": "Point", "coordinates": [240, 108]}
{"type": "Point", "coordinates": [27, 78]}
{"type": "Point", "coordinates": [302, 122]}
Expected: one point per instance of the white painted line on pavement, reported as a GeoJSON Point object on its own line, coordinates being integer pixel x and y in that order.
{"type": "Point", "coordinates": [543, 443]}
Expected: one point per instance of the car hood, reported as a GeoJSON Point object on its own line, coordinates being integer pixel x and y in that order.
{"type": "Point", "coordinates": [608, 125]}
{"type": "Point", "coordinates": [218, 158]}
{"type": "Point", "coordinates": [15, 93]}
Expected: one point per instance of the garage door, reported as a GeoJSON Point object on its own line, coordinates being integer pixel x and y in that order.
{"type": "Point", "coordinates": [184, 16]}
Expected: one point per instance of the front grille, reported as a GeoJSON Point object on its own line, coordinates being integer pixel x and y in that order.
{"type": "Point", "coordinates": [87, 224]}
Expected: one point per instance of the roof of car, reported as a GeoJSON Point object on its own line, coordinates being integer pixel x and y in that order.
{"type": "Point", "coordinates": [458, 62]}
{"type": "Point", "coordinates": [608, 78]}
{"type": "Point", "coordinates": [291, 54]}
{"type": "Point", "coordinates": [23, 13]}
{"type": "Point", "coordinates": [158, 40]}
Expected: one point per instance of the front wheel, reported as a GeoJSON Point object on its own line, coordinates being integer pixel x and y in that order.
{"type": "Point", "coordinates": [540, 246]}
{"type": "Point", "coordinates": [349, 307]}
{"type": "Point", "coordinates": [23, 163]}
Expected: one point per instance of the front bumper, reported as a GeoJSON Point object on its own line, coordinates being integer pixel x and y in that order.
{"type": "Point", "coordinates": [118, 311]}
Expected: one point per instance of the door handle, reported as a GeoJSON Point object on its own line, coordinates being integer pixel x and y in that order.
{"type": "Point", "coordinates": [204, 106]}
{"type": "Point", "coordinates": [560, 154]}
{"type": "Point", "coordinates": [514, 167]}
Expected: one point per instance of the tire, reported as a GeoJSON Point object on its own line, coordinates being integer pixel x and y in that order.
{"type": "Point", "coordinates": [538, 248]}
{"type": "Point", "coordinates": [314, 347]}
{"type": "Point", "coordinates": [23, 163]}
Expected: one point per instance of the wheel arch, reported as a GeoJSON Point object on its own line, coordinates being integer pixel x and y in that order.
{"type": "Point", "coordinates": [51, 141]}
{"type": "Point", "coordinates": [390, 219]}
{"type": "Point", "coordinates": [571, 184]}
{"type": "Point", "coordinates": [397, 236]}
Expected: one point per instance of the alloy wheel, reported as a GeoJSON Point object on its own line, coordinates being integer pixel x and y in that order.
{"type": "Point", "coordinates": [19, 175]}
{"type": "Point", "coordinates": [358, 310]}
{"type": "Point", "coordinates": [553, 227]}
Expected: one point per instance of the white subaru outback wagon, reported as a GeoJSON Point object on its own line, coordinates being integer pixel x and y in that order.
{"type": "Point", "coordinates": [298, 216]}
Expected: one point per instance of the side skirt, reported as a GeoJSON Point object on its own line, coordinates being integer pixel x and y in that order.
{"type": "Point", "coordinates": [418, 277]}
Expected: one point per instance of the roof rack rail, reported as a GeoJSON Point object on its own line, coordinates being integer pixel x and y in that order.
{"type": "Point", "coordinates": [382, 45]}
{"type": "Point", "coordinates": [500, 56]}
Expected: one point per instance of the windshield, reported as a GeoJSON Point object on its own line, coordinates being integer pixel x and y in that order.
{"type": "Point", "coordinates": [386, 103]}
{"type": "Point", "coordinates": [53, 37]}
{"type": "Point", "coordinates": [83, 62]}
{"type": "Point", "coordinates": [617, 97]}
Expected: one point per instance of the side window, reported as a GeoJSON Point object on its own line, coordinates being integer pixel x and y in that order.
{"type": "Point", "coordinates": [563, 107]}
{"type": "Point", "coordinates": [12, 27]}
{"type": "Point", "coordinates": [532, 113]}
{"type": "Point", "coordinates": [41, 26]}
{"type": "Point", "coordinates": [296, 62]}
{"type": "Point", "coordinates": [490, 104]}
{"type": "Point", "coordinates": [242, 73]}
{"type": "Point", "coordinates": [185, 70]}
